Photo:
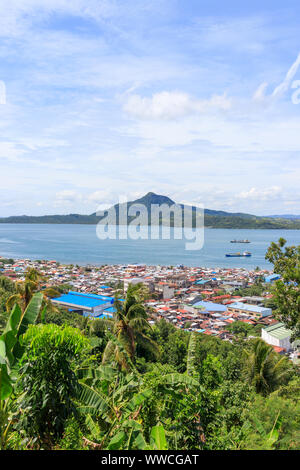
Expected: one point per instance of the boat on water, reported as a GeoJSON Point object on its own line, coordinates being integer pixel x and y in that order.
{"type": "Point", "coordinates": [240, 241]}
{"type": "Point", "coordinates": [237, 255]}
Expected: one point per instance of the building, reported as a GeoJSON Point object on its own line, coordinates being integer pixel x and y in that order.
{"type": "Point", "coordinates": [253, 310]}
{"type": "Point", "coordinates": [91, 305]}
{"type": "Point", "coordinates": [165, 290]}
{"type": "Point", "coordinates": [277, 335]}
{"type": "Point", "coordinates": [205, 308]}
{"type": "Point", "coordinates": [254, 300]}
{"type": "Point", "coordinates": [138, 280]}
{"type": "Point", "coordinates": [210, 307]}
{"type": "Point", "coordinates": [272, 278]}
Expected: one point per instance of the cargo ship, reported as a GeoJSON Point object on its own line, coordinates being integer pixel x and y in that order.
{"type": "Point", "coordinates": [236, 255]}
{"type": "Point", "coordinates": [240, 241]}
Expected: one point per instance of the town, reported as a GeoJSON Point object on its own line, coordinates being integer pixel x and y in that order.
{"type": "Point", "coordinates": [208, 301]}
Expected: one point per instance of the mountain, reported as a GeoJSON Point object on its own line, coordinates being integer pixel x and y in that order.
{"type": "Point", "coordinates": [152, 198]}
{"type": "Point", "coordinates": [213, 218]}
{"type": "Point", "coordinates": [146, 201]}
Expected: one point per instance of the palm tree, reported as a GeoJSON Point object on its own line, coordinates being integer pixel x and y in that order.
{"type": "Point", "coordinates": [264, 368]}
{"type": "Point", "coordinates": [25, 290]}
{"type": "Point", "coordinates": [129, 327]}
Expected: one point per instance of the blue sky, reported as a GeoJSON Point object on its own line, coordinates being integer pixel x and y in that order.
{"type": "Point", "coordinates": [195, 100]}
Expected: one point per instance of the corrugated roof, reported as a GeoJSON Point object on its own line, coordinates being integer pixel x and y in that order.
{"type": "Point", "coordinates": [83, 300]}
{"type": "Point", "coordinates": [278, 331]}
{"type": "Point", "coordinates": [210, 306]}
{"type": "Point", "coordinates": [250, 308]}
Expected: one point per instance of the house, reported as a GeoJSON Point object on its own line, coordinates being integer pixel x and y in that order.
{"type": "Point", "coordinates": [248, 309]}
{"type": "Point", "coordinates": [277, 335]}
{"type": "Point", "coordinates": [254, 300]}
{"type": "Point", "coordinates": [210, 307]}
{"type": "Point", "coordinates": [165, 290]}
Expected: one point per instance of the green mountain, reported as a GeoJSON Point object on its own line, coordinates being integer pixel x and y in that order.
{"type": "Point", "coordinates": [212, 218]}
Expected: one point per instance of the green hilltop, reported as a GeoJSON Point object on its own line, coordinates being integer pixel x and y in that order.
{"type": "Point", "coordinates": [212, 218]}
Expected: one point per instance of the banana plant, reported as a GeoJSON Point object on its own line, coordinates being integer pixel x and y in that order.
{"type": "Point", "coordinates": [191, 354]}
{"type": "Point", "coordinates": [11, 351]}
{"type": "Point", "coordinates": [112, 402]}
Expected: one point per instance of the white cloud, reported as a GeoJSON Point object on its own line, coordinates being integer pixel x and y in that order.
{"type": "Point", "coordinates": [67, 196]}
{"type": "Point", "coordinates": [67, 66]}
{"type": "Point", "coordinates": [16, 16]}
{"type": "Point", "coordinates": [170, 105]}
{"type": "Point", "coordinates": [242, 34]}
{"type": "Point", "coordinates": [11, 151]}
{"type": "Point", "coordinates": [264, 194]}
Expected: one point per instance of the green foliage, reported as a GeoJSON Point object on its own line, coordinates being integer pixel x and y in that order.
{"type": "Point", "coordinates": [121, 384]}
{"type": "Point", "coordinates": [286, 260]}
{"type": "Point", "coordinates": [256, 290]}
{"type": "Point", "coordinates": [265, 369]}
{"type": "Point", "coordinates": [11, 351]}
{"type": "Point", "coordinates": [72, 438]}
{"type": "Point", "coordinates": [243, 330]}
{"type": "Point", "coordinates": [129, 328]}
{"type": "Point", "coordinates": [7, 289]}
{"type": "Point", "coordinates": [48, 381]}
{"type": "Point", "coordinates": [273, 423]}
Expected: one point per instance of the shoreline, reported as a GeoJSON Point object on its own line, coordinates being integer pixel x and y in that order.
{"type": "Point", "coordinates": [206, 227]}
{"type": "Point", "coordinates": [131, 264]}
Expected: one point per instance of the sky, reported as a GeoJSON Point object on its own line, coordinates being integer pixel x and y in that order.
{"type": "Point", "coordinates": [197, 100]}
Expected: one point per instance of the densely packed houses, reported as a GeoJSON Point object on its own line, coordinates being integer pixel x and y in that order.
{"type": "Point", "coordinates": [193, 298]}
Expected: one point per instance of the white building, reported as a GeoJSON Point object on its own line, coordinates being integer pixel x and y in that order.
{"type": "Point", "coordinates": [277, 335]}
{"type": "Point", "coordinates": [137, 280]}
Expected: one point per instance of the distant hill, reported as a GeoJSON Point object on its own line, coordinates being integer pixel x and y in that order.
{"type": "Point", "coordinates": [213, 218]}
{"type": "Point", "coordinates": [285, 216]}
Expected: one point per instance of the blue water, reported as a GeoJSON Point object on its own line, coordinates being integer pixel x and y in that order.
{"type": "Point", "coordinates": [78, 244]}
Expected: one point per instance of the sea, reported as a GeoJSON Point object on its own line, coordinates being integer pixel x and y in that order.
{"type": "Point", "coordinates": [79, 244]}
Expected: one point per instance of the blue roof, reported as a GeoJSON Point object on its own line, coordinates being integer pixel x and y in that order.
{"type": "Point", "coordinates": [84, 300]}
{"type": "Point", "coordinates": [250, 308]}
{"type": "Point", "coordinates": [211, 306]}
{"type": "Point", "coordinates": [100, 316]}
{"type": "Point", "coordinates": [272, 277]}
{"type": "Point", "coordinates": [110, 310]}
{"type": "Point", "coordinates": [104, 287]}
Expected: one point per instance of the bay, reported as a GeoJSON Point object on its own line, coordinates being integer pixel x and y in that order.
{"type": "Point", "coordinates": [79, 244]}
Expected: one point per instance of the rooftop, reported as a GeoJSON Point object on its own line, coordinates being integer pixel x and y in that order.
{"type": "Point", "coordinates": [278, 331]}
{"type": "Point", "coordinates": [83, 300]}
{"type": "Point", "coordinates": [250, 308]}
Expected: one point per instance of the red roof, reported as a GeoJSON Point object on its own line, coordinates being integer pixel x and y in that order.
{"type": "Point", "coordinates": [278, 349]}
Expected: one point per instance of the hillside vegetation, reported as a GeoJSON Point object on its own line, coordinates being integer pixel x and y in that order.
{"type": "Point", "coordinates": [212, 218]}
